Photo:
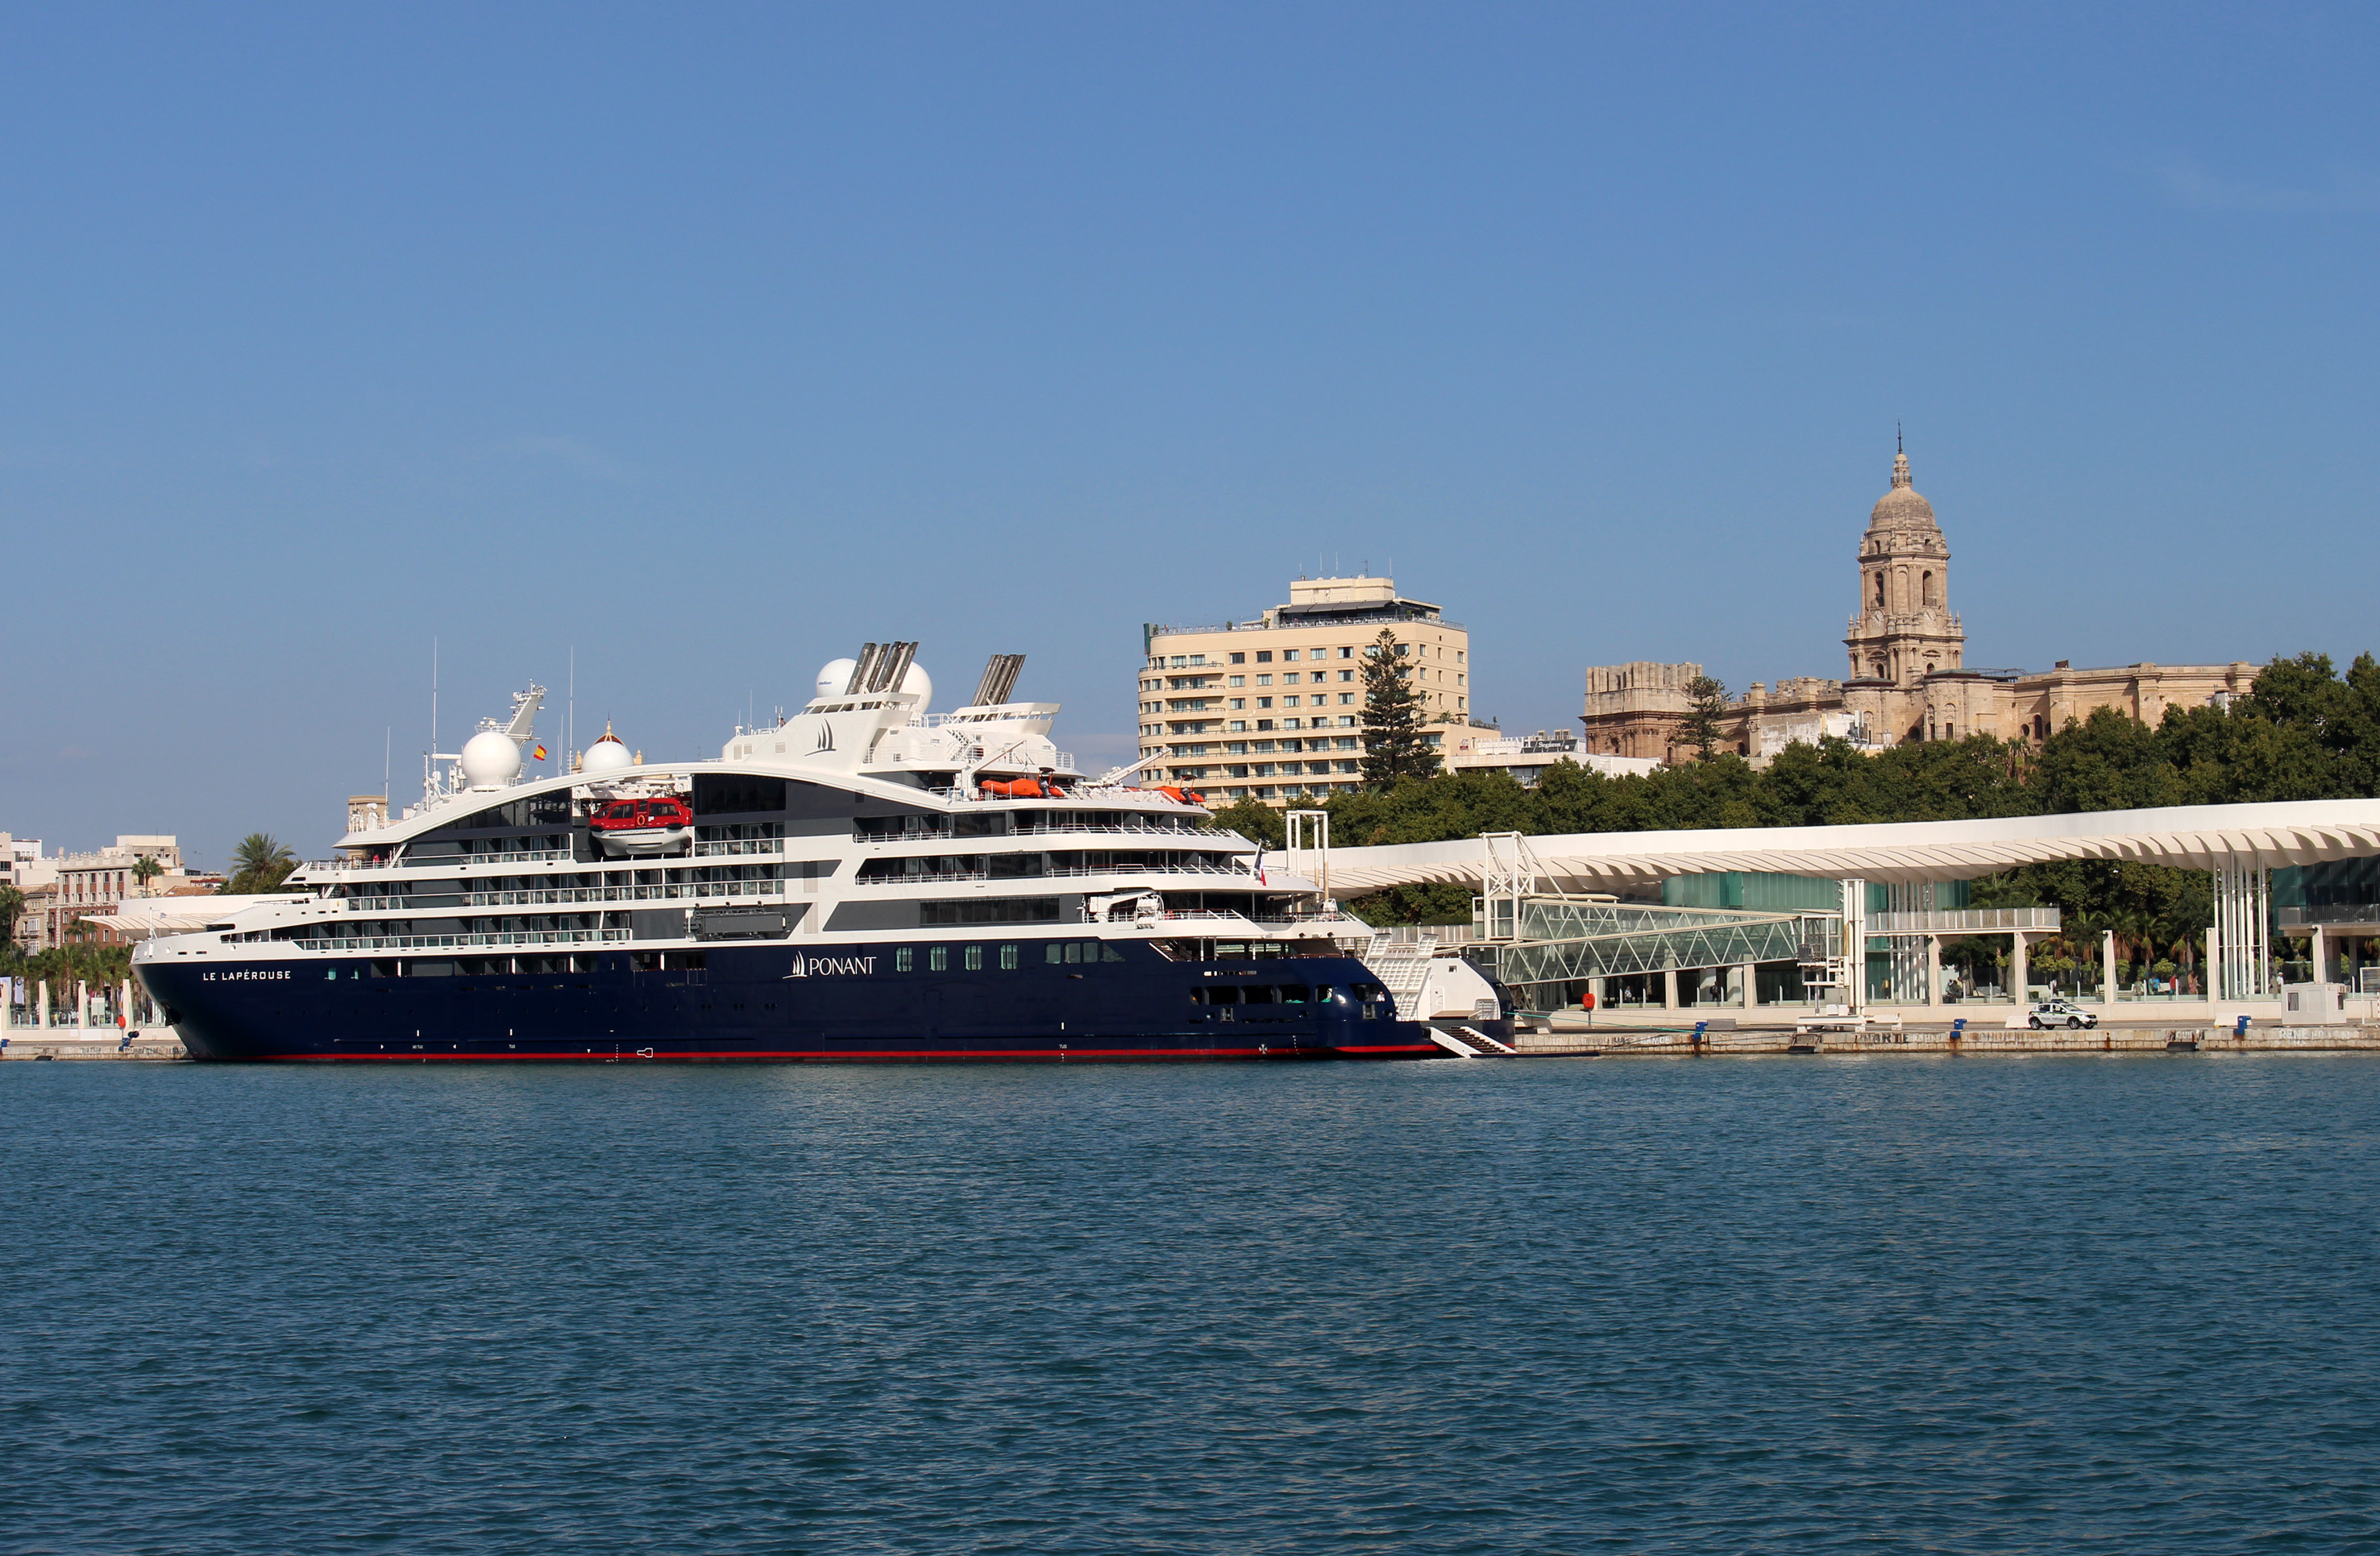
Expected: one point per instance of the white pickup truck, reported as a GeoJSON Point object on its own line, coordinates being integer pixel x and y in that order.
{"type": "Point", "coordinates": [2059, 1013]}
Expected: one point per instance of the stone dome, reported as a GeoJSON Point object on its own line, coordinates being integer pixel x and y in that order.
{"type": "Point", "coordinates": [1902, 508]}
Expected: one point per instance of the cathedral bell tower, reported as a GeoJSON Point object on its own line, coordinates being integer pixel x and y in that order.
{"type": "Point", "coordinates": [1904, 629]}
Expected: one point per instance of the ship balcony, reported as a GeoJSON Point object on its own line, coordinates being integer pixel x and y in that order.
{"type": "Point", "coordinates": [1064, 873]}
{"type": "Point", "coordinates": [445, 861]}
{"type": "Point", "coordinates": [1153, 826]}
{"type": "Point", "coordinates": [1269, 920]}
{"type": "Point", "coordinates": [727, 845]}
{"type": "Point", "coordinates": [458, 942]}
{"type": "Point", "coordinates": [686, 891]}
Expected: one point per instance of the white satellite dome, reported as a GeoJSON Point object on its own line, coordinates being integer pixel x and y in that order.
{"type": "Point", "coordinates": [609, 754]}
{"type": "Point", "coordinates": [835, 674]}
{"type": "Point", "coordinates": [491, 759]}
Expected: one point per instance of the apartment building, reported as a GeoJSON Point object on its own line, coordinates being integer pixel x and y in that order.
{"type": "Point", "coordinates": [82, 887]}
{"type": "Point", "coordinates": [1272, 709]}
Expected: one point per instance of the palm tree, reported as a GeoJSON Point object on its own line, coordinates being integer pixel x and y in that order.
{"type": "Point", "coordinates": [146, 869]}
{"type": "Point", "coordinates": [260, 863]}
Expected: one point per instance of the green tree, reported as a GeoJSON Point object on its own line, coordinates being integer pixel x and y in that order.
{"type": "Point", "coordinates": [1394, 748]}
{"type": "Point", "coordinates": [260, 864]}
{"type": "Point", "coordinates": [146, 869]}
{"type": "Point", "coordinates": [1706, 706]}
{"type": "Point", "coordinates": [12, 907]}
{"type": "Point", "coordinates": [1253, 820]}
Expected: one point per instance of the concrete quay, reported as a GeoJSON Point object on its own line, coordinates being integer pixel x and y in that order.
{"type": "Point", "coordinates": [2145, 1038]}
{"type": "Point", "coordinates": [36, 1044]}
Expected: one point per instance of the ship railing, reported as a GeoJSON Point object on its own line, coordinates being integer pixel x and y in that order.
{"type": "Point", "coordinates": [1071, 872]}
{"type": "Point", "coordinates": [739, 846]}
{"type": "Point", "coordinates": [1225, 915]}
{"type": "Point", "coordinates": [686, 891]}
{"type": "Point", "coordinates": [447, 861]}
{"type": "Point", "coordinates": [461, 943]}
{"type": "Point", "coordinates": [932, 833]}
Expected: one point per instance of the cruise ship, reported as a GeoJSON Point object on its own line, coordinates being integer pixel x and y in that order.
{"type": "Point", "coordinates": [862, 880]}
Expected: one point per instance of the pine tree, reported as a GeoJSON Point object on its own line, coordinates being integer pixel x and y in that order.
{"type": "Point", "coordinates": [1394, 746]}
{"type": "Point", "coordinates": [1706, 705]}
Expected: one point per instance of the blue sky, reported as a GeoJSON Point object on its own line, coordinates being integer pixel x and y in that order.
{"type": "Point", "coordinates": [713, 341]}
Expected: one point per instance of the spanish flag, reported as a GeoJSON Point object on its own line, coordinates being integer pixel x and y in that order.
{"type": "Point", "coordinates": [539, 753]}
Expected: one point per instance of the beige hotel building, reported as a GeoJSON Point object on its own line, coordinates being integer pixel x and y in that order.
{"type": "Point", "coordinates": [1272, 709]}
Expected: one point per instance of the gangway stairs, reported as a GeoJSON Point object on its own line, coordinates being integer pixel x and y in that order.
{"type": "Point", "coordinates": [1470, 1042]}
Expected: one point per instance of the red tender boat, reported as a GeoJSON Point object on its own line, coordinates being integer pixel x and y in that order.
{"type": "Point", "coordinates": [642, 826]}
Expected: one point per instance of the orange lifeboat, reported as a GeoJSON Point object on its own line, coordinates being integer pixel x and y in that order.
{"type": "Point", "coordinates": [1021, 788]}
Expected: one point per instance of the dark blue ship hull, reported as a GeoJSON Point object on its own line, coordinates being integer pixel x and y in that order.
{"type": "Point", "coordinates": [774, 1003]}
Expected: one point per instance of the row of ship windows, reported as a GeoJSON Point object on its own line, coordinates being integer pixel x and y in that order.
{"type": "Point", "coordinates": [1071, 952]}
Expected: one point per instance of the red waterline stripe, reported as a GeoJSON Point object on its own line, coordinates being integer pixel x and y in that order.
{"type": "Point", "coordinates": [842, 1057]}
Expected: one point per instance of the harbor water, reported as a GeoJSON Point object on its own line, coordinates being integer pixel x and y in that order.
{"type": "Point", "coordinates": [2073, 1303]}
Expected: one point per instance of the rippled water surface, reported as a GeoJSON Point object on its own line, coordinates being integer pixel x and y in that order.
{"type": "Point", "coordinates": [2044, 1304]}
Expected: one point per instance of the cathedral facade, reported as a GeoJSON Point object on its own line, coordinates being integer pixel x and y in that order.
{"type": "Point", "coordinates": [1907, 675]}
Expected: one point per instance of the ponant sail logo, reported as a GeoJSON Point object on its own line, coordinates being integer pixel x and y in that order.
{"type": "Point", "coordinates": [832, 967]}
